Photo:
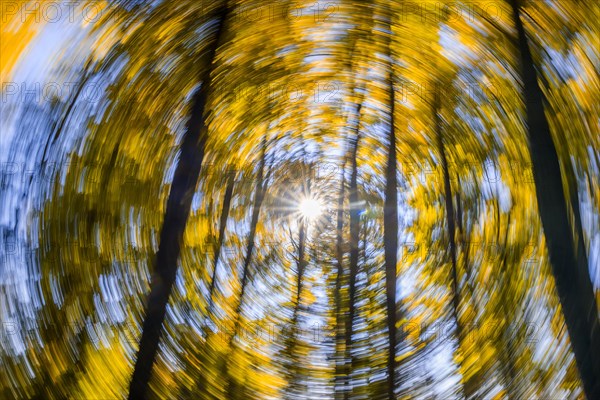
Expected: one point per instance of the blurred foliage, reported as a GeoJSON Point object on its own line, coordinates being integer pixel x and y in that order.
{"type": "Point", "coordinates": [303, 99]}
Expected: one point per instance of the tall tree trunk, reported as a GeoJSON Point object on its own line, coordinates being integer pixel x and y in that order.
{"type": "Point", "coordinates": [471, 383]}
{"type": "Point", "coordinates": [354, 250]}
{"type": "Point", "coordinates": [259, 194]}
{"type": "Point", "coordinates": [178, 208]}
{"type": "Point", "coordinates": [390, 238]}
{"type": "Point", "coordinates": [569, 265]}
{"type": "Point", "coordinates": [451, 224]}
{"type": "Point", "coordinates": [450, 220]}
{"type": "Point", "coordinates": [293, 340]}
{"type": "Point", "coordinates": [465, 241]}
{"type": "Point", "coordinates": [340, 370]}
{"type": "Point", "coordinates": [219, 244]}
{"type": "Point", "coordinates": [343, 328]}
{"type": "Point", "coordinates": [508, 345]}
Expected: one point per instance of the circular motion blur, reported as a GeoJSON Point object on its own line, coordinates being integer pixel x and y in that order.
{"type": "Point", "coordinates": [293, 199]}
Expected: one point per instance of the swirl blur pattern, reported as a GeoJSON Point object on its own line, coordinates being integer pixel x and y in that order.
{"type": "Point", "coordinates": [244, 199]}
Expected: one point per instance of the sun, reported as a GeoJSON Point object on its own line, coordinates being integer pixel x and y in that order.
{"type": "Point", "coordinates": [310, 208]}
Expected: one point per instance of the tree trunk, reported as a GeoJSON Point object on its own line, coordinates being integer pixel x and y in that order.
{"type": "Point", "coordinates": [178, 208]}
{"type": "Point", "coordinates": [354, 250]}
{"type": "Point", "coordinates": [569, 265]}
{"type": "Point", "coordinates": [347, 330]}
{"type": "Point", "coordinates": [259, 194]}
{"type": "Point", "coordinates": [507, 345]}
{"type": "Point", "coordinates": [451, 224]}
{"type": "Point", "coordinates": [340, 370]}
{"type": "Point", "coordinates": [219, 244]}
{"type": "Point", "coordinates": [292, 351]}
{"type": "Point", "coordinates": [390, 238]}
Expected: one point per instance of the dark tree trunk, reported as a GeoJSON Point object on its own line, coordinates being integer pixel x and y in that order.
{"type": "Point", "coordinates": [471, 384]}
{"type": "Point", "coordinates": [259, 194]}
{"type": "Point", "coordinates": [219, 244]}
{"type": "Point", "coordinates": [506, 345]}
{"type": "Point", "coordinates": [467, 387]}
{"type": "Point", "coordinates": [178, 208]}
{"type": "Point", "coordinates": [566, 250]}
{"type": "Point", "coordinates": [340, 370]}
{"type": "Point", "coordinates": [450, 220]}
{"type": "Point", "coordinates": [390, 239]}
{"type": "Point", "coordinates": [354, 250]}
{"type": "Point", "coordinates": [294, 375]}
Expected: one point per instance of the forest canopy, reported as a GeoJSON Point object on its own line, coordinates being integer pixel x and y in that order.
{"type": "Point", "coordinates": [290, 199]}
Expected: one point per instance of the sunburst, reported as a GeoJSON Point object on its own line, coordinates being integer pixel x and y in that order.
{"type": "Point", "coordinates": [310, 208]}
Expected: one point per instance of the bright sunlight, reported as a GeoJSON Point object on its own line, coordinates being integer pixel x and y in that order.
{"type": "Point", "coordinates": [310, 208]}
